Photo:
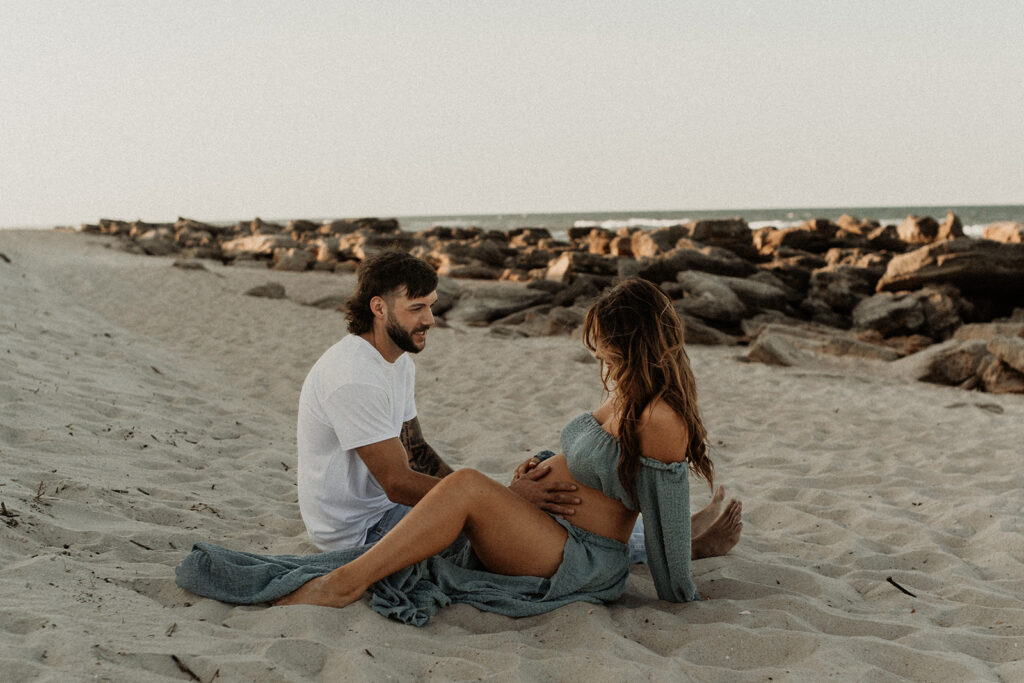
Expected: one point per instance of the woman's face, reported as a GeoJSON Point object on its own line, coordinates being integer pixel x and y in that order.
{"type": "Point", "coordinates": [604, 353]}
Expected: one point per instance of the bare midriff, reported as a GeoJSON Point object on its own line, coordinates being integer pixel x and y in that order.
{"type": "Point", "coordinates": [597, 512]}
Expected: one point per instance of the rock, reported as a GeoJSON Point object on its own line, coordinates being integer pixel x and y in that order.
{"type": "Point", "coordinates": [258, 226]}
{"type": "Point", "coordinates": [861, 258]}
{"type": "Point", "coordinates": [975, 266]}
{"type": "Point", "coordinates": [989, 331]}
{"type": "Point", "coordinates": [621, 245]}
{"type": "Point", "coordinates": [776, 350]}
{"type": "Point", "coordinates": [950, 228]}
{"type": "Point", "coordinates": [348, 226]}
{"type": "Point", "coordinates": [691, 256]}
{"type": "Point", "coordinates": [943, 310]}
{"type": "Point", "coordinates": [527, 237]}
{"type": "Point", "coordinates": [816, 236]}
{"type": "Point", "coordinates": [796, 345]}
{"type": "Point", "coordinates": [842, 287]}
{"type": "Point", "coordinates": [886, 238]}
{"type": "Point", "coordinates": [293, 259]}
{"type": "Point", "coordinates": [271, 290]}
{"type": "Point", "coordinates": [484, 304]}
{"type": "Point", "coordinates": [448, 292]}
{"type": "Point", "coordinates": [569, 263]}
{"type": "Point", "coordinates": [856, 226]}
{"type": "Point", "coordinates": [442, 232]}
{"type": "Point", "coordinates": [999, 378]}
{"type": "Point", "coordinates": [889, 314]}
{"type": "Point", "coordinates": [709, 298]}
{"type": "Point", "coordinates": [732, 234]}
{"type": "Point", "coordinates": [596, 241]}
{"type": "Point", "coordinates": [257, 245]}
{"type": "Point", "coordinates": [159, 242]}
{"type": "Point", "coordinates": [647, 243]}
{"type": "Point", "coordinates": [563, 320]}
{"type": "Point", "coordinates": [582, 290]}
{"type": "Point", "coordinates": [1008, 350]}
{"type": "Point", "coordinates": [918, 229]}
{"type": "Point", "coordinates": [696, 332]}
{"type": "Point", "coordinates": [754, 294]}
{"type": "Point", "coordinates": [1004, 231]}
{"type": "Point", "coordinates": [953, 362]}
{"type": "Point", "coordinates": [753, 326]}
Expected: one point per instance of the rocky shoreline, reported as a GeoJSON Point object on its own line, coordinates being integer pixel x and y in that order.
{"type": "Point", "coordinates": [940, 306]}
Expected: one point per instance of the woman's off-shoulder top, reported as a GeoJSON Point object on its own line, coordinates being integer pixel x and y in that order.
{"type": "Point", "coordinates": [663, 497]}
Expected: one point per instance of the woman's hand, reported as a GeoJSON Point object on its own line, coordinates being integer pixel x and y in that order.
{"type": "Point", "coordinates": [525, 467]}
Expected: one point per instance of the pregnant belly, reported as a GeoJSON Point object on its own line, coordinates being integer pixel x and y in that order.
{"type": "Point", "coordinates": [597, 513]}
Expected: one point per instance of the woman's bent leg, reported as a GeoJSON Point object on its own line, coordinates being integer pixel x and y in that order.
{"type": "Point", "coordinates": [509, 535]}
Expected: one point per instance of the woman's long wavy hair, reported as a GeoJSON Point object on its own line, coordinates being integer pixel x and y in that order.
{"type": "Point", "coordinates": [636, 323]}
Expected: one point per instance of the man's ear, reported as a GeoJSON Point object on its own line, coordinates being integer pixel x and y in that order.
{"type": "Point", "coordinates": [379, 307]}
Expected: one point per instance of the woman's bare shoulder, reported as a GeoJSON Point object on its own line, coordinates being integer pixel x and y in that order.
{"type": "Point", "coordinates": [663, 433]}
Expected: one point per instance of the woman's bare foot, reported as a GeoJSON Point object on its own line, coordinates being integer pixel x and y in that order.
{"type": "Point", "coordinates": [700, 521]}
{"type": "Point", "coordinates": [327, 591]}
{"type": "Point", "coordinates": [721, 536]}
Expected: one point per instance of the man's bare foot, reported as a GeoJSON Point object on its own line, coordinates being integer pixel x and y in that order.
{"type": "Point", "coordinates": [324, 591]}
{"type": "Point", "coordinates": [721, 536]}
{"type": "Point", "coordinates": [700, 521]}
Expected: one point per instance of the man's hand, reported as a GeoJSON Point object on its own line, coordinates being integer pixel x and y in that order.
{"type": "Point", "coordinates": [527, 483]}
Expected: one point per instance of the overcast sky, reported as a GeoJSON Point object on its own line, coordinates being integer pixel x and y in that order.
{"type": "Point", "coordinates": [230, 110]}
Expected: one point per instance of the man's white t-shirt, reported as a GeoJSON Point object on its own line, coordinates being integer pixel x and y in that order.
{"type": "Point", "coordinates": [352, 397]}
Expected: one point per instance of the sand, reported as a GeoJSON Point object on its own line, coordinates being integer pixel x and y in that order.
{"type": "Point", "coordinates": [144, 407]}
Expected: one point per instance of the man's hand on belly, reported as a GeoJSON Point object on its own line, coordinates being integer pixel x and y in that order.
{"type": "Point", "coordinates": [528, 482]}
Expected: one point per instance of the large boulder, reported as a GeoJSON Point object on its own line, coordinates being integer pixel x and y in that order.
{"type": "Point", "coordinates": [1004, 231]}
{"type": "Point", "coordinates": [989, 331]}
{"type": "Point", "coordinates": [950, 228]}
{"type": "Point", "coordinates": [257, 245]}
{"type": "Point", "coordinates": [889, 314]}
{"type": "Point", "coordinates": [975, 266]}
{"type": "Point", "coordinates": [293, 259]}
{"type": "Point", "coordinates": [781, 344]}
{"type": "Point", "coordinates": [157, 242]}
{"type": "Point", "coordinates": [1008, 350]}
{"type": "Point", "coordinates": [954, 363]}
{"type": "Point", "coordinates": [842, 286]}
{"type": "Point", "coordinates": [918, 229]}
{"type": "Point", "coordinates": [709, 298]}
{"type": "Point", "coordinates": [692, 256]}
{"type": "Point", "coordinates": [487, 303]}
{"type": "Point", "coordinates": [647, 243]}
{"type": "Point", "coordinates": [570, 263]}
{"type": "Point", "coordinates": [933, 312]}
{"type": "Point", "coordinates": [1000, 378]}
{"type": "Point", "coordinates": [816, 236]}
{"type": "Point", "coordinates": [733, 234]}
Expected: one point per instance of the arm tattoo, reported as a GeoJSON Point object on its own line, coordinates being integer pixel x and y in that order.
{"type": "Point", "coordinates": [422, 457]}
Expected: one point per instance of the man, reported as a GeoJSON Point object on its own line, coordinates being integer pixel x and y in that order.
{"type": "Point", "coordinates": [363, 461]}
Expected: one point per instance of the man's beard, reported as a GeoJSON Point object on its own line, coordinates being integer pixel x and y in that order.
{"type": "Point", "coordinates": [403, 337]}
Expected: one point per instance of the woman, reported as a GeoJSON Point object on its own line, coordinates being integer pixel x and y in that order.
{"type": "Point", "coordinates": [631, 455]}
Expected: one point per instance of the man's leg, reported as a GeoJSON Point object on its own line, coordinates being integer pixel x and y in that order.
{"type": "Point", "coordinates": [386, 523]}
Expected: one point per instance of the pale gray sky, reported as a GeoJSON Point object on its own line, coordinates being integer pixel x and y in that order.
{"type": "Point", "coordinates": [225, 110]}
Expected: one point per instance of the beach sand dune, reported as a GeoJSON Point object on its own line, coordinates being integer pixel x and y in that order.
{"type": "Point", "coordinates": [144, 407]}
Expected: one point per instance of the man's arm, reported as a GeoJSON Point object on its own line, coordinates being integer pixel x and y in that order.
{"type": "Point", "coordinates": [422, 457]}
{"type": "Point", "coordinates": [389, 463]}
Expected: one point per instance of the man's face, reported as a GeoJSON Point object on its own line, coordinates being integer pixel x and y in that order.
{"type": "Point", "coordinates": [409, 320]}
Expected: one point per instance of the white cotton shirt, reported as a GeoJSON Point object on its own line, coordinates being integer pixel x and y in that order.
{"type": "Point", "coordinates": [351, 398]}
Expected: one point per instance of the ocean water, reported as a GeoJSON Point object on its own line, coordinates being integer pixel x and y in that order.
{"type": "Point", "coordinates": [974, 218]}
